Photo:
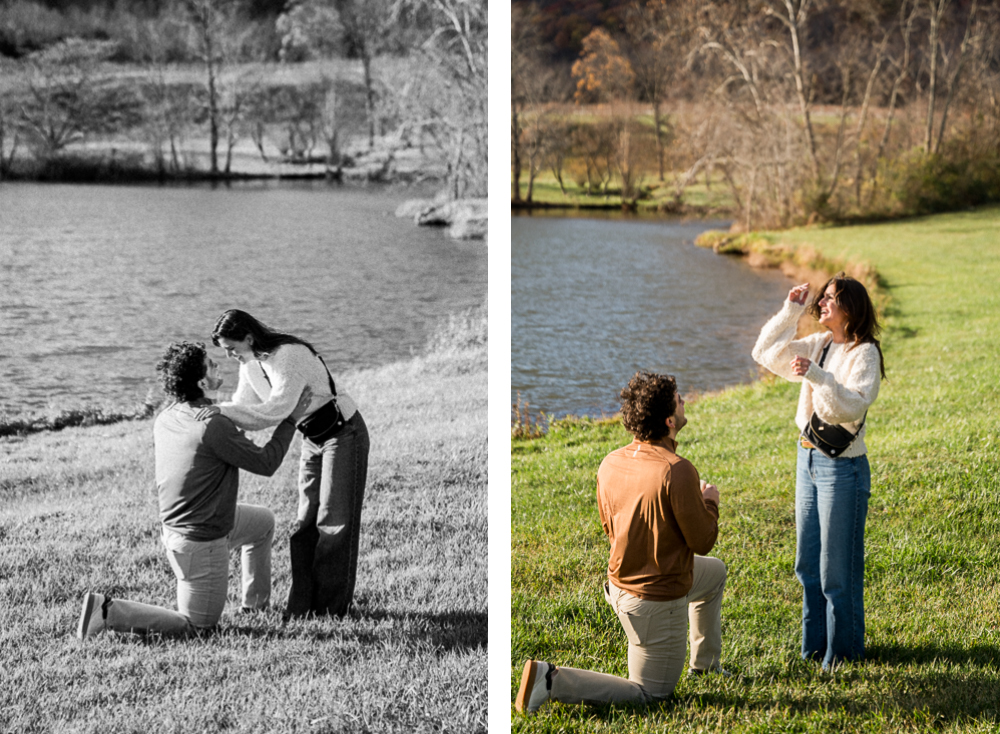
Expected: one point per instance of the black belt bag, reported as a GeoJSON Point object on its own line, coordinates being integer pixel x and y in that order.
{"type": "Point", "coordinates": [324, 423]}
{"type": "Point", "coordinates": [830, 439]}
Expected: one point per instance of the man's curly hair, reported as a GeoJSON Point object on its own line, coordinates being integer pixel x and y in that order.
{"type": "Point", "coordinates": [647, 401]}
{"type": "Point", "coordinates": [180, 368]}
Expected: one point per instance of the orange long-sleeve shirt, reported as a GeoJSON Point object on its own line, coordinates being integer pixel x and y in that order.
{"type": "Point", "coordinates": [653, 512]}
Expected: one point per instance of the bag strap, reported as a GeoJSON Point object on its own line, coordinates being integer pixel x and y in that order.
{"type": "Point", "coordinates": [826, 349]}
{"type": "Point", "coordinates": [822, 357]}
{"type": "Point", "coordinates": [333, 388]}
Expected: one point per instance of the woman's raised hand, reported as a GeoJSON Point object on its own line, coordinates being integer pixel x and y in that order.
{"type": "Point", "coordinates": [799, 293]}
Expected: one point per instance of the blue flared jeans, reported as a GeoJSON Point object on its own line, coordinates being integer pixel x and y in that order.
{"type": "Point", "coordinates": [831, 505]}
{"type": "Point", "coordinates": [324, 546]}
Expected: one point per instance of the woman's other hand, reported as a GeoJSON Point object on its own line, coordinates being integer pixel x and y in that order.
{"type": "Point", "coordinates": [799, 294]}
{"type": "Point", "coordinates": [800, 365]}
{"type": "Point", "coordinates": [207, 412]}
{"type": "Point", "coordinates": [303, 405]}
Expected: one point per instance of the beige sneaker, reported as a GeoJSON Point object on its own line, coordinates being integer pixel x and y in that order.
{"type": "Point", "coordinates": [536, 684]}
{"type": "Point", "coordinates": [92, 615]}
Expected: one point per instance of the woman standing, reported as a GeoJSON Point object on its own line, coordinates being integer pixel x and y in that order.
{"type": "Point", "coordinates": [274, 368]}
{"type": "Point", "coordinates": [840, 370]}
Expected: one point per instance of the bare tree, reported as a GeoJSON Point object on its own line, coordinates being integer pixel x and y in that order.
{"type": "Point", "coordinates": [656, 34]}
{"type": "Point", "coordinates": [559, 148]}
{"type": "Point", "coordinates": [368, 28]}
{"type": "Point", "coordinates": [216, 38]}
{"type": "Point", "coordinates": [453, 65]}
{"type": "Point", "coordinates": [908, 15]}
{"type": "Point", "coordinates": [62, 103]}
{"type": "Point", "coordinates": [6, 159]}
{"type": "Point", "coordinates": [532, 84]}
{"type": "Point", "coordinates": [794, 15]}
{"type": "Point", "coordinates": [953, 79]}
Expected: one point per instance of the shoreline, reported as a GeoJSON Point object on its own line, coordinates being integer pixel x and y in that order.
{"type": "Point", "coordinates": [689, 211]}
{"type": "Point", "coordinates": [458, 338]}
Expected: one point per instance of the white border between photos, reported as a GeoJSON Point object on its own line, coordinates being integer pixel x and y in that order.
{"type": "Point", "coordinates": [499, 368]}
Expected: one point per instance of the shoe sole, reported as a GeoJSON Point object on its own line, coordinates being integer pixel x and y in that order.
{"type": "Point", "coordinates": [527, 686]}
{"type": "Point", "coordinates": [89, 605]}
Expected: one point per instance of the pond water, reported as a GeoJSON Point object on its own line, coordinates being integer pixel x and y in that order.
{"type": "Point", "coordinates": [96, 280]}
{"type": "Point", "coordinates": [594, 300]}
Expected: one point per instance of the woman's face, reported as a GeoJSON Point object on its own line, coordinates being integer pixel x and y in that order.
{"type": "Point", "coordinates": [241, 351]}
{"type": "Point", "coordinates": [831, 315]}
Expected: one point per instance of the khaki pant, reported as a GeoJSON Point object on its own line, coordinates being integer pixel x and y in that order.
{"type": "Point", "coordinates": [202, 571]}
{"type": "Point", "coordinates": [657, 634]}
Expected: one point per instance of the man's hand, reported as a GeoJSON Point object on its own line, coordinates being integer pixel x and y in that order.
{"type": "Point", "coordinates": [799, 294]}
{"type": "Point", "coordinates": [709, 492]}
{"type": "Point", "coordinates": [303, 405]}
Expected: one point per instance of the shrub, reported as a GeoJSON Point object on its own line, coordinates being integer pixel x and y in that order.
{"type": "Point", "coordinates": [961, 175]}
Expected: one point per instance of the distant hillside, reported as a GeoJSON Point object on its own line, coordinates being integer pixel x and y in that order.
{"type": "Point", "coordinates": [565, 23]}
{"type": "Point", "coordinates": [149, 7]}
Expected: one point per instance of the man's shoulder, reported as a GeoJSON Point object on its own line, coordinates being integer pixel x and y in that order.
{"type": "Point", "coordinates": [645, 452]}
{"type": "Point", "coordinates": [179, 419]}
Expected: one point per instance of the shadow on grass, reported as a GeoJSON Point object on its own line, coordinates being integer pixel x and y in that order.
{"type": "Point", "coordinates": [450, 631]}
{"type": "Point", "coordinates": [909, 680]}
{"type": "Point", "coordinates": [978, 655]}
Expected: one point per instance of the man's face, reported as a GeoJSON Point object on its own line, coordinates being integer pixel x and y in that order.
{"type": "Point", "coordinates": [680, 420]}
{"type": "Point", "coordinates": [238, 350]}
{"type": "Point", "coordinates": [212, 380]}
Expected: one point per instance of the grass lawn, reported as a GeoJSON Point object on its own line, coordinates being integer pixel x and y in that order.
{"type": "Point", "coordinates": [932, 582]}
{"type": "Point", "coordinates": [546, 191]}
{"type": "Point", "coordinates": [78, 512]}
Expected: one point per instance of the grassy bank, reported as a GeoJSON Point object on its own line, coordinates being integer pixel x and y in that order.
{"type": "Point", "coordinates": [932, 585]}
{"type": "Point", "coordinates": [703, 198]}
{"type": "Point", "coordinates": [78, 513]}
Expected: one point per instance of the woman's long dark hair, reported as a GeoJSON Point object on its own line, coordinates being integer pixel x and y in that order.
{"type": "Point", "coordinates": [862, 326]}
{"type": "Point", "coordinates": [238, 325]}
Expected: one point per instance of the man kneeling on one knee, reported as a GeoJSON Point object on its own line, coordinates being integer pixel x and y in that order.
{"type": "Point", "coordinates": [658, 514]}
{"type": "Point", "coordinates": [197, 478]}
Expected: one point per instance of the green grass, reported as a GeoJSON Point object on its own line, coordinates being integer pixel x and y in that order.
{"type": "Point", "coordinates": [697, 197]}
{"type": "Point", "coordinates": [78, 512]}
{"type": "Point", "coordinates": [933, 537]}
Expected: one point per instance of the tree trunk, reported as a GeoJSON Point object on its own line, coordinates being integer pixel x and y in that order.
{"type": "Point", "coordinates": [796, 19]}
{"type": "Point", "coordinates": [659, 134]}
{"type": "Point", "coordinates": [932, 43]}
{"type": "Point", "coordinates": [879, 59]}
{"type": "Point", "coordinates": [953, 82]}
{"type": "Point", "coordinates": [366, 63]}
{"type": "Point", "coordinates": [838, 153]}
{"type": "Point", "coordinates": [907, 30]}
{"type": "Point", "coordinates": [515, 153]}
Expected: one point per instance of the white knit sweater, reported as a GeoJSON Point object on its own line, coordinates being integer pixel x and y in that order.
{"type": "Point", "coordinates": [840, 391]}
{"type": "Point", "coordinates": [257, 404]}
